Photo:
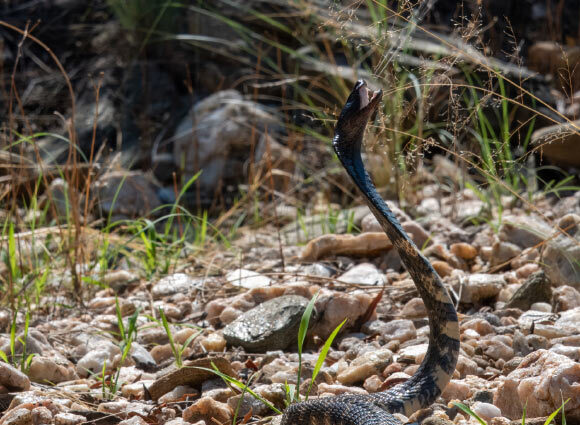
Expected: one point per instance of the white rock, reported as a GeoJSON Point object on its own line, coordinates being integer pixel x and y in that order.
{"type": "Point", "coordinates": [480, 286]}
{"type": "Point", "coordinates": [571, 352]}
{"type": "Point", "coordinates": [337, 307]}
{"type": "Point", "coordinates": [93, 361]}
{"type": "Point", "coordinates": [364, 274]}
{"type": "Point", "coordinates": [565, 298]}
{"type": "Point", "coordinates": [570, 319]}
{"type": "Point", "coordinates": [496, 349]}
{"type": "Point", "coordinates": [336, 389]}
{"type": "Point", "coordinates": [416, 353]}
{"type": "Point", "coordinates": [399, 329]}
{"type": "Point", "coordinates": [539, 306]}
{"type": "Point", "coordinates": [370, 363]}
{"type": "Point", "coordinates": [222, 126]}
{"type": "Point", "coordinates": [17, 416]}
{"type": "Point", "coordinates": [247, 279]}
{"type": "Point", "coordinates": [68, 419]}
{"type": "Point", "coordinates": [466, 366]}
{"type": "Point", "coordinates": [480, 326]}
{"type": "Point", "coordinates": [485, 411]}
{"type": "Point", "coordinates": [175, 283]}
{"type": "Point", "coordinates": [41, 415]}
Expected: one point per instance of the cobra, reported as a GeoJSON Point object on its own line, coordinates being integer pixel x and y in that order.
{"type": "Point", "coordinates": [423, 388]}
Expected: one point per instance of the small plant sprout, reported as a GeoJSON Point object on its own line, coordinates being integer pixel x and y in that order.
{"type": "Point", "coordinates": [302, 330]}
{"type": "Point", "coordinates": [177, 349]}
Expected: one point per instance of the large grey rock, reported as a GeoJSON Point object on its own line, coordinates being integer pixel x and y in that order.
{"type": "Point", "coordinates": [539, 384]}
{"type": "Point", "coordinates": [125, 194]}
{"type": "Point", "coordinates": [218, 137]}
{"type": "Point", "coordinates": [524, 231]}
{"type": "Point", "coordinates": [273, 325]}
{"type": "Point", "coordinates": [537, 288]}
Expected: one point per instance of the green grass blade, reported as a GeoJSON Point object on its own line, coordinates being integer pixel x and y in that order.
{"type": "Point", "coordinates": [241, 386]}
{"type": "Point", "coordinates": [322, 355]}
{"type": "Point", "coordinates": [305, 321]}
{"type": "Point", "coordinates": [550, 418]}
{"type": "Point", "coordinates": [301, 337]}
{"type": "Point", "coordinates": [120, 324]}
{"type": "Point", "coordinates": [174, 349]}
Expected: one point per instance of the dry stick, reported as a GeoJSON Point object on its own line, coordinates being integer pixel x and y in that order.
{"type": "Point", "coordinates": [97, 89]}
{"type": "Point", "coordinates": [71, 129]}
{"type": "Point", "coordinates": [13, 93]}
{"type": "Point", "coordinates": [269, 164]}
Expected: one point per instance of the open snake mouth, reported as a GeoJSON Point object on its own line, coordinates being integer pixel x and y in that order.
{"type": "Point", "coordinates": [367, 98]}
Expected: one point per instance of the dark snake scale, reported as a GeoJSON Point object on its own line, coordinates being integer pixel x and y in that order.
{"type": "Point", "coordinates": [423, 388]}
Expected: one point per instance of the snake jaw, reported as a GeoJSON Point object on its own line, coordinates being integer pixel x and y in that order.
{"type": "Point", "coordinates": [363, 93]}
{"type": "Point", "coordinates": [361, 104]}
{"type": "Point", "coordinates": [366, 96]}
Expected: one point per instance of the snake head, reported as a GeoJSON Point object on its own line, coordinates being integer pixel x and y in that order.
{"type": "Point", "coordinates": [359, 107]}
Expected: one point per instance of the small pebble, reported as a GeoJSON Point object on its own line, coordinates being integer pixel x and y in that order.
{"type": "Point", "coordinates": [68, 419]}
{"type": "Point", "coordinates": [463, 250]}
{"type": "Point", "coordinates": [485, 411]}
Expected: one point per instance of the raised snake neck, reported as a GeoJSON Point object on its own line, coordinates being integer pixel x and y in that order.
{"type": "Point", "coordinates": [423, 388]}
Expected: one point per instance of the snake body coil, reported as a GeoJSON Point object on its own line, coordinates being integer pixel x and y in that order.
{"type": "Point", "coordinates": [423, 388]}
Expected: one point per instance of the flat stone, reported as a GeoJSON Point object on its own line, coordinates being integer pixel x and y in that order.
{"type": "Point", "coordinates": [364, 274]}
{"type": "Point", "coordinates": [415, 353]}
{"type": "Point", "coordinates": [247, 279]}
{"type": "Point", "coordinates": [400, 329]}
{"type": "Point", "coordinates": [174, 284]}
{"type": "Point", "coordinates": [273, 325]}
{"type": "Point", "coordinates": [370, 363]}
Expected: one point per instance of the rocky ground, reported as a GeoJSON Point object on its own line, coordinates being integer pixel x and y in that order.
{"type": "Point", "coordinates": [127, 276]}
{"type": "Point", "coordinates": [517, 294]}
